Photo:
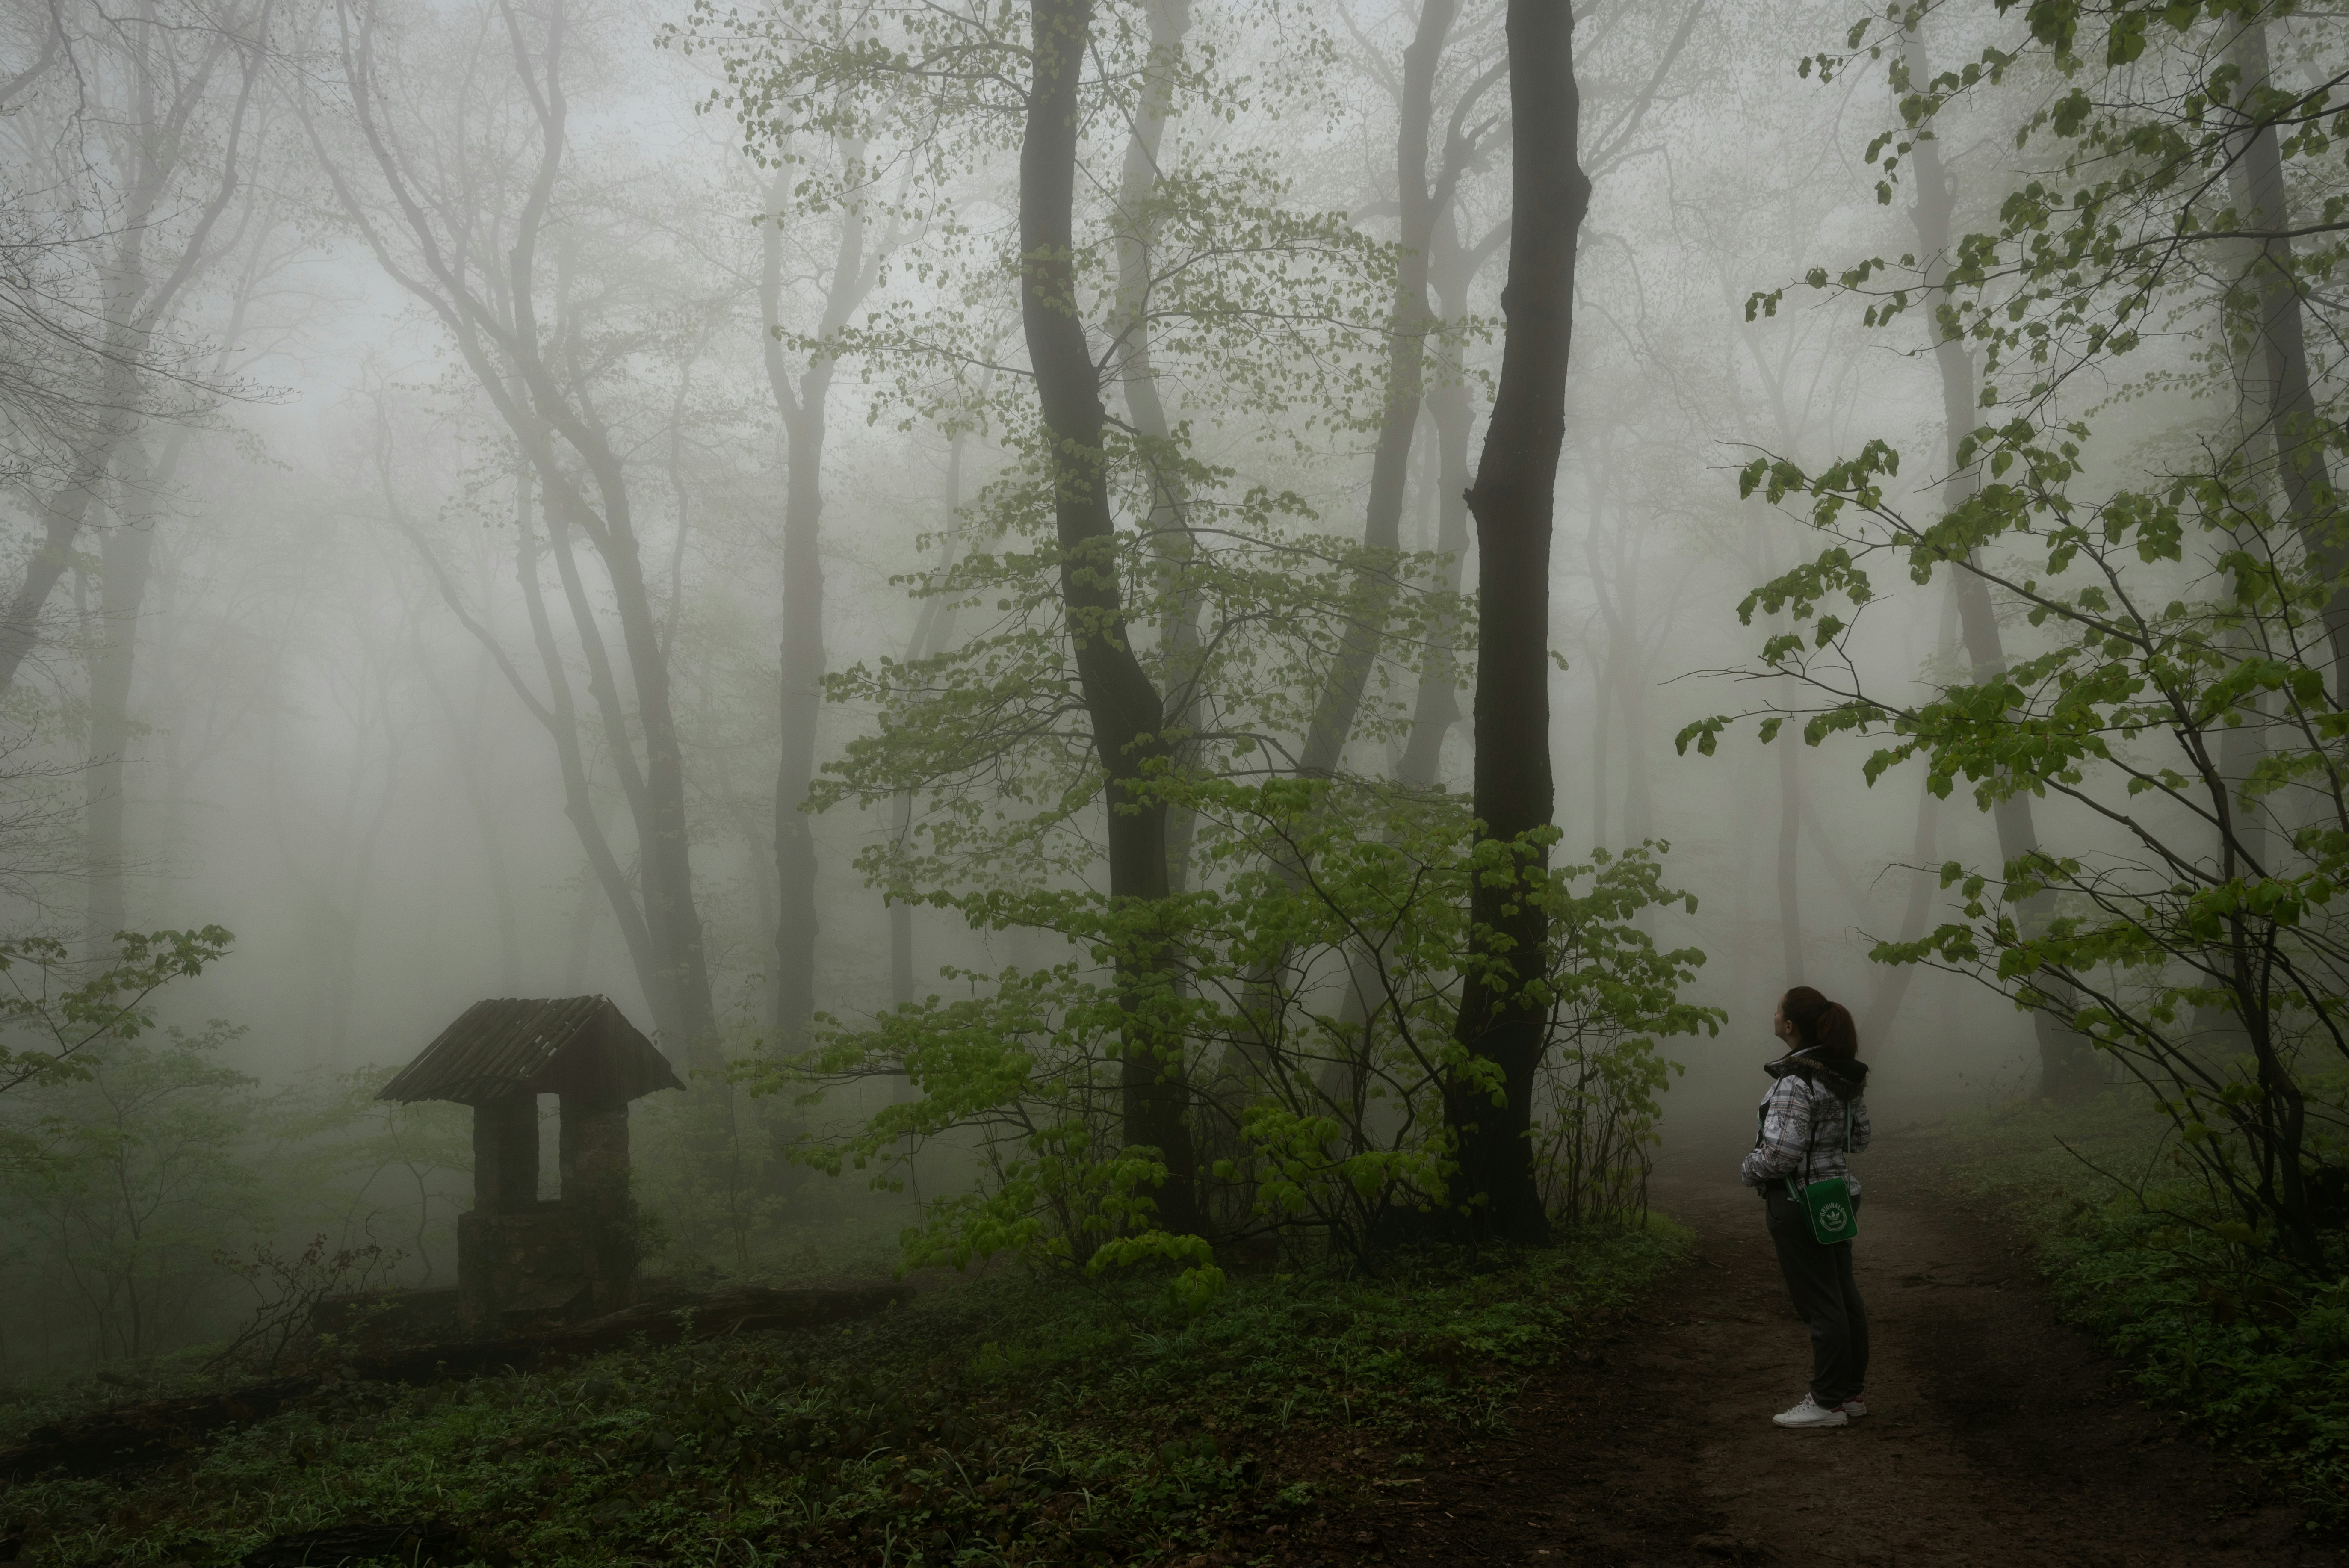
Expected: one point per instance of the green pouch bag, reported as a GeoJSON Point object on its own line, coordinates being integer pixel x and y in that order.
{"type": "Point", "coordinates": [1834, 1218]}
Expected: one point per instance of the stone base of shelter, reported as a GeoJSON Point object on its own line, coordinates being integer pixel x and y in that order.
{"type": "Point", "coordinates": [540, 1267]}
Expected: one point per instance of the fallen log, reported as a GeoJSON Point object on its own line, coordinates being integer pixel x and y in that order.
{"type": "Point", "coordinates": [133, 1434]}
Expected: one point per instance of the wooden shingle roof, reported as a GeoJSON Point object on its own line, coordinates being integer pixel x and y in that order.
{"type": "Point", "coordinates": [581, 1045]}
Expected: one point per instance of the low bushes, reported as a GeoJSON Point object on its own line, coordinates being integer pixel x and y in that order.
{"type": "Point", "coordinates": [2249, 1353]}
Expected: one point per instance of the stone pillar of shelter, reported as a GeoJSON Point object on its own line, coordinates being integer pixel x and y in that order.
{"type": "Point", "coordinates": [505, 1154]}
{"type": "Point", "coordinates": [498, 1238]}
{"type": "Point", "coordinates": [595, 1164]}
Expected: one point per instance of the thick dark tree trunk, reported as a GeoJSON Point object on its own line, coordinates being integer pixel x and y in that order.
{"type": "Point", "coordinates": [1512, 502]}
{"type": "Point", "coordinates": [2067, 1063]}
{"type": "Point", "coordinates": [1122, 702]}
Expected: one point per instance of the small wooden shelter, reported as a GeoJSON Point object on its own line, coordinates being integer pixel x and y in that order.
{"type": "Point", "coordinates": [522, 1260]}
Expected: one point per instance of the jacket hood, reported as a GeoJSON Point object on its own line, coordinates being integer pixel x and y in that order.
{"type": "Point", "coordinates": [1845, 1080]}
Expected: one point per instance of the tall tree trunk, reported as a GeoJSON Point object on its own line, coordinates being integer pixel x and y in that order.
{"type": "Point", "coordinates": [482, 788]}
{"type": "Point", "coordinates": [62, 517]}
{"type": "Point", "coordinates": [1892, 980]}
{"type": "Point", "coordinates": [583, 931]}
{"type": "Point", "coordinates": [664, 845]}
{"type": "Point", "coordinates": [1602, 732]}
{"type": "Point", "coordinates": [469, 731]}
{"type": "Point", "coordinates": [1761, 561]}
{"type": "Point", "coordinates": [2294, 422]}
{"type": "Point", "coordinates": [1639, 803]}
{"type": "Point", "coordinates": [2304, 475]}
{"type": "Point", "coordinates": [1408, 323]}
{"type": "Point", "coordinates": [802, 689]}
{"type": "Point", "coordinates": [1451, 272]}
{"type": "Point", "coordinates": [1512, 502]}
{"type": "Point", "coordinates": [805, 414]}
{"type": "Point", "coordinates": [1790, 847]}
{"type": "Point", "coordinates": [932, 633]}
{"type": "Point", "coordinates": [1619, 683]}
{"type": "Point", "coordinates": [559, 715]}
{"type": "Point", "coordinates": [1436, 707]}
{"type": "Point", "coordinates": [1123, 705]}
{"type": "Point", "coordinates": [125, 555]}
{"type": "Point", "coordinates": [1169, 523]}
{"type": "Point", "coordinates": [2264, 371]}
{"type": "Point", "coordinates": [2067, 1065]}
{"type": "Point", "coordinates": [2284, 466]}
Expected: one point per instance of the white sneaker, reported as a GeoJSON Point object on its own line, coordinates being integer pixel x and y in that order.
{"type": "Point", "coordinates": [1811, 1413]}
{"type": "Point", "coordinates": [1855, 1409]}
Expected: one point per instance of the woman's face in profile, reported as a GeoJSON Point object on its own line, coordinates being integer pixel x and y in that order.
{"type": "Point", "coordinates": [1778, 1025]}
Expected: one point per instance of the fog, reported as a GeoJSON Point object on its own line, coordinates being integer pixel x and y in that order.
{"type": "Point", "coordinates": [532, 467]}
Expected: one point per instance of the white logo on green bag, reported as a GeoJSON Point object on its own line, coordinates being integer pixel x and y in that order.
{"type": "Point", "coordinates": [1832, 1217]}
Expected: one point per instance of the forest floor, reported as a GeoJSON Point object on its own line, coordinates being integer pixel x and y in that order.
{"type": "Point", "coordinates": [1996, 1435]}
{"type": "Point", "coordinates": [1603, 1404]}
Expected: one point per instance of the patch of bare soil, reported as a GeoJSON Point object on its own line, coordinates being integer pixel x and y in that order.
{"type": "Point", "coordinates": [1997, 1435]}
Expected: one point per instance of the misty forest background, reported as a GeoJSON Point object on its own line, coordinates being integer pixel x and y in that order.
{"type": "Point", "coordinates": [549, 497]}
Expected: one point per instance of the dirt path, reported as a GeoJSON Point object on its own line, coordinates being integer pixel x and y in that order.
{"type": "Point", "coordinates": [1995, 1439]}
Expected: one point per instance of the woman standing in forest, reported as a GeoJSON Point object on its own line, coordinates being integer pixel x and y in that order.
{"type": "Point", "coordinates": [1811, 1121]}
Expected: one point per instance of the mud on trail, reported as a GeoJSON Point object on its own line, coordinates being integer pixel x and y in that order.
{"type": "Point", "coordinates": [1997, 1435]}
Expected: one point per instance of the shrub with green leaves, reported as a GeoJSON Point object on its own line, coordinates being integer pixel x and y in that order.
{"type": "Point", "coordinates": [1310, 1005]}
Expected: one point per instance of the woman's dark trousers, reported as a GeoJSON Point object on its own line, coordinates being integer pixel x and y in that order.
{"type": "Point", "coordinates": [1819, 1279]}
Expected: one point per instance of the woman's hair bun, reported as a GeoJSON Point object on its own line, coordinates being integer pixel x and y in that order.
{"type": "Point", "coordinates": [1824, 1027]}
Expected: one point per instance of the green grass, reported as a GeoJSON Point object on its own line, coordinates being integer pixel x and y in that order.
{"type": "Point", "coordinates": [1002, 1419]}
{"type": "Point", "coordinates": [2243, 1352]}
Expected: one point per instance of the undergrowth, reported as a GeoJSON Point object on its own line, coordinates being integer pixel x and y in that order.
{"type": "Point", "coordinates": [1000, 1419]}
{"type": "Point", "coordinates": [2243, 1351]}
